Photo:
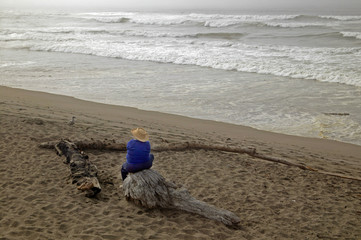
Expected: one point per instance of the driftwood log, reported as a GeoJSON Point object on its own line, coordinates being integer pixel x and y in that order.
{"type": "Point", "coordinates": [149, 189]}
{"type": "Point", "coordinates": [181, 146]}
{"type": "Point", "coordinates": [83, 172]}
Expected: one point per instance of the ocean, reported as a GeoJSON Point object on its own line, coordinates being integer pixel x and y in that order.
{"type": "Point", "coordinates": [297, 74]}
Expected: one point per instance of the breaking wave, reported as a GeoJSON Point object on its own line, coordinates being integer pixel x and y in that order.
{"type": "Point", "coordinates": [219, 20]}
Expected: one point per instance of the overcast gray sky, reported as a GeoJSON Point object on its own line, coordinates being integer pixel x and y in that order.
{"type": "Point", "coordinates": [355, 5]}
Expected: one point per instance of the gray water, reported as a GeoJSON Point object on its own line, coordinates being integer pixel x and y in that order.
{"type": "Point", "coordinates": [280, 73]}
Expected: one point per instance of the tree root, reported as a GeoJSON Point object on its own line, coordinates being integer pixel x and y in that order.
{"type": "Point", "coordinates": [149, 189]}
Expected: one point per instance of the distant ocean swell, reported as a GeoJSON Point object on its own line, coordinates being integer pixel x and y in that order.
{"type": "Point", "coordinates": [59, 34]}
{"type": "Point", "coordinates": [51, 33]}
{"type": "Point", "coordinates": [219, 20]}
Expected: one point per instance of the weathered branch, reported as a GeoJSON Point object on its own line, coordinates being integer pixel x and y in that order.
{"type": "Point", "coordinates": [149, 189]}
{"type": "Point", "coordinates": [183, 146]}
{"type": "Point", "coordinates": [178, 146]}
{"type": "Point", "coordinates": [83, 172]}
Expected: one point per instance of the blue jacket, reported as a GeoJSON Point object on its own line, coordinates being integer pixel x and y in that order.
{"type": "Point", "coordinates": [138, 152]}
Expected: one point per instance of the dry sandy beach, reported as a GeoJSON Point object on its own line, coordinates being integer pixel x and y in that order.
{"type": "Point", "coordinates": [273, 201]}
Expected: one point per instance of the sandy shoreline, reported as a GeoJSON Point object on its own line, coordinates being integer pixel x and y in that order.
{"type": "Point", "coordinates": [273, 201]}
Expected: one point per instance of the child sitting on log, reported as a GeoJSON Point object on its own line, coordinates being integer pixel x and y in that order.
{"type": "Point", "coordinates": [138, 153]}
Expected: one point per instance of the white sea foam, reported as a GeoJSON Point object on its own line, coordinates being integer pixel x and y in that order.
{"type": "Point", "coordinates": [342, 18]}
{"type": "Point", "coordinates": [10, 64]}
{"type": "Point", "coordinates": [356, 35]}
{"type": "Point", "coordinates": [299, 24]}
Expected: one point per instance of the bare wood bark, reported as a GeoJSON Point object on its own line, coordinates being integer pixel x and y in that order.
{"type": "Point", "coordinates": [90, 144]}
{"type": "Point", "coordinates": [178, 146]}
{"type": "Point", "coordinates": [149, 189]}
{"type": "Point", "coordinates": [83, 172]}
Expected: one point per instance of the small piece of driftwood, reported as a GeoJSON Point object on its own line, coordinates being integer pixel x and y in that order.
{"type": "Point", "coordinates": [149, 189]}
{"type": "Point", "coordinates": [83, 171]}
{"type": "Point", "coordinates": [336, 114]}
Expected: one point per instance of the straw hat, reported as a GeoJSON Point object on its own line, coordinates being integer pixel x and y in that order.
{"type": "Point", "coordinates": [140, 134]}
